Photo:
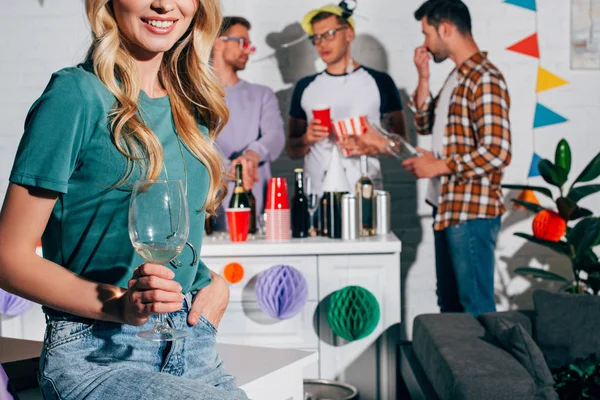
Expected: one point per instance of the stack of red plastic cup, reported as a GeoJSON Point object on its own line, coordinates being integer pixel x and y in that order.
{"type": "Point", "coordinates": [277, 211]}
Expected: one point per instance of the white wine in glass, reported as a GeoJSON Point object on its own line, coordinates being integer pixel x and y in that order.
{"type": "Point", "coordinates": [159, 225]}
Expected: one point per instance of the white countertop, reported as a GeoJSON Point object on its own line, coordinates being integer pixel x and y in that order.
{"type": "Point", "coordinates": [219, 245]}
{"type": "Point", "coordinates": [248, 363]}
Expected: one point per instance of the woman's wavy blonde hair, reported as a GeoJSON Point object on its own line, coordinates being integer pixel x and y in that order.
{"type": "Point", "coordinates": [195, 95]}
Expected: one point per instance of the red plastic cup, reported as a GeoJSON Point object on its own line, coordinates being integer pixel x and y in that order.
{"type": "Point", "coordinates": [238, 220]}
{"type": "Point", "coordinates": [323, 114]}
{"type": "Point", "coordinates": [277, 195]}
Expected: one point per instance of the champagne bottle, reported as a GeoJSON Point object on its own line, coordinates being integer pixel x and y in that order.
{"type": "Point", "coordinates": [300, 216]}
{"type": "Point", "coordinates": [364, 197]}
{"type": "Point", "coordinates": [208, 229]}
{"type": "Point", "coordinates": [239, 199]}
{"type": "Point", "coordinates": [252, 226]}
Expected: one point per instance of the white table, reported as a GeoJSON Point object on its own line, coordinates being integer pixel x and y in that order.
{"type": "Point", "coordinates": [263, 373]}
{"type": "Point", "coordinates": [267, 374]}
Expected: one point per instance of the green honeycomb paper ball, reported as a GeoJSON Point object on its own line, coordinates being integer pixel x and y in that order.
{"type": "Point", "coordinates": [353, 313]}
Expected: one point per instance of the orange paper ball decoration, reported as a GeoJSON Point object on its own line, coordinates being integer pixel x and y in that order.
{"type": "Point", "coordinates": [548, 225]}
{"type": "Point", "coordinates": [233, 273]}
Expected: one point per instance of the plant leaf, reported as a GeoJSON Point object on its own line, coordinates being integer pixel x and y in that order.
{"type": "Point", "coordinates": [547, 171]}
{"type": "Point", "coordinates": [565, 207]}
{"type": "Point", "coordinates": [580, 213]}
{"type": "Point", "coordinates": [560, 247]}
{"type": "Point", "coordinates": [580, 192]}
{"type": "Point", "coordinates": [562, 156]}
{"type": "Point", "coordinates": [536, 208]}
{"type": "Point", "coordinates": [584, 234]}
{"type": "Point", "coordinates": [594, 281]}
{"type": "Point", "coordinates": [540, 273]}
{"type": "Point", "coordinates": [561, 174]}
{"type": "Point", "coordinates": [539, 189]}
{"type": "Point", "coordinates": [591, 171]}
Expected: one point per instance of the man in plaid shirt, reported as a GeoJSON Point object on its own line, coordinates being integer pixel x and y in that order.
{"type": "Point", "coordinates": [470, 128]}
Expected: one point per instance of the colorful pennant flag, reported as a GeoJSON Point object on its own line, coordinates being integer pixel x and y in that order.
{"type": "Point", "coordinates": [528, 46]}
{"type": "Point", "coordinates": [533, 169]}
{"type": "Point", "coordinates": [528, 4]}
{"type": "Point", "coordinates": [547, 80]}
{"type": "Point", "coordinates": [545, 116]}
{"type": "Point", "coordinates": [528, 196]}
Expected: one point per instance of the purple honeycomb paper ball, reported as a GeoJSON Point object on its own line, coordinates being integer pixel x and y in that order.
{"type": "Point", "coordinates": [281, 291]}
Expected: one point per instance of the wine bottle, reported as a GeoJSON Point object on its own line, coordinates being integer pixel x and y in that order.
{"type": "Point", "coordinates": [208, 228]}
{"type": "Point", "coordinates": [252, 226]}
{"type": "Point", "coordinates": [300, 221]}
{"type": "Point", "coordinates": [364, 197]}
{"type": "Point", "coordinates": [239, 199]}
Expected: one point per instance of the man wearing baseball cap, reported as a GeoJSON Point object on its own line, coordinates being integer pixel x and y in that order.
{"type": "Point", "coordinates": [348, 89]}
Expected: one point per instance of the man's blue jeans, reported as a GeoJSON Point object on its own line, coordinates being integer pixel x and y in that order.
{"type": "Point", "coordinates": [464, 261]}
{"type": "Point", "coordinates": [99, 360]}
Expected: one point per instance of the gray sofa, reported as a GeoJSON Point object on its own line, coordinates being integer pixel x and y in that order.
{"type": "Point", "coordinates": [463, 362]}
{"type": "Point", "coordinates": [460, 357]}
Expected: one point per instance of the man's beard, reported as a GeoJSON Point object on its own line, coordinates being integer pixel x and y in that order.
{"type": "Point", "coordinates": [440, 56]}
{"type": "Point", "coordinates": [239, 66]}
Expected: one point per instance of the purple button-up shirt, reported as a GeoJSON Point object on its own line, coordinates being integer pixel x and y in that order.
{"type": "Point", "coordinates": [255, 123]}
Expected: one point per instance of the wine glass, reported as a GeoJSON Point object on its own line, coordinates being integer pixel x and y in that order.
{"type": "Point", "coordinates": [313, 204]}
{"type": "Point", "coordinates": [159, 225]}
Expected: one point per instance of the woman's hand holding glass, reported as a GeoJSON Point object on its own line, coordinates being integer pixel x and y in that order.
{"type": "Point", "coordinates": [152, 290]}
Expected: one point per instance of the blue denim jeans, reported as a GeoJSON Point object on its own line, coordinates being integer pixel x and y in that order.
{"type": "Point", "coordinates": [98, 360]}
{"type": "Point", "coordinates": [464, 266]}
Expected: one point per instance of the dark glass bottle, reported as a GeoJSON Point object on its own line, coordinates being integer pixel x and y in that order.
{"type": "Point", "coordinates": [208, 226]}
{"type": "Point", "coordinates": [252, 226]}
{"type": "Point", "coordinates": [364, 197]}
{"type": "Point", "coordinates": [239, 199]}
{"type": "Point", "coordinates": [300, 216]}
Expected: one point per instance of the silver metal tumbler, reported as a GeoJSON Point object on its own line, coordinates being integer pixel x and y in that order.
{"type": "Point", "coordinates": [381, 212]}
{"type": "Point", "coordinates": [350, 226]}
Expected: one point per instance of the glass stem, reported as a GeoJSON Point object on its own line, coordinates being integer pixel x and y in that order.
{"type": "Point", "coordinates": [160, 323]}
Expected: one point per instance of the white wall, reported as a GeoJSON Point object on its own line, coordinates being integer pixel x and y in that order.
{"type": "Point", "coordinates": [49, 36]}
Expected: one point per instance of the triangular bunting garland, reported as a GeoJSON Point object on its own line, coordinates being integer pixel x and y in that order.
{"type": "Point", "coordinates": [547, 80]}
{"type": "Point", "coordinates": [533, 169]}
{"type": "Point", "coordinates": [545, 116]}
{"type": "Point", "coordinates": [528, 4]}
{"type": "Point", "coordinates": [527, 46]}
{"type": "Point", "coordinates": [528, 196]}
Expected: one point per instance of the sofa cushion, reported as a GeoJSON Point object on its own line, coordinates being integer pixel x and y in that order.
{"type": "Point", "coordinates": [515, 339]}
{"type": "Point", "coordinates": [524, 318]}
{"type": "Point", "coordinates": [566, 326]}
{"type": "Point", "coordinates": [462, 365]}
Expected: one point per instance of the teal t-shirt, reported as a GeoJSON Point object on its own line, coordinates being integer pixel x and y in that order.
{"type": "Point", "coordinates": [67, 148]}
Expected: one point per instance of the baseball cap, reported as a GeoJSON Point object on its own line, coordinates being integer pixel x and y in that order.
{"type": "Point", "coordinates": [330, 8]}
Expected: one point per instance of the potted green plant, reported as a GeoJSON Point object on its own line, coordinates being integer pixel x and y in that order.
{"type": "Point", "coordinates": [569, 229]}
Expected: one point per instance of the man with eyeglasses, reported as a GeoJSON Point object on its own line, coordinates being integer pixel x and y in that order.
{"type": "Point", "coordinates": [350, 90]}
{"type": "Point", "coordinates": [254, 135]}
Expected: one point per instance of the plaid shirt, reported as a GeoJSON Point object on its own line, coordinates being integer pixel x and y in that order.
{"type": "Point", "coordinates": [477, 143]}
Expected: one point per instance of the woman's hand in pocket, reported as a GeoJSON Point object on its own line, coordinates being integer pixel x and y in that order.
{"type": "Point", "coordinates": [210, 301]}
{"type": "Point", "coordinates": [152, 290]}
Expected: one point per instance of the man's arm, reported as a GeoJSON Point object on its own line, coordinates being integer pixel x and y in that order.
{"type": "Point", "coordinates": [423, 107]}
{"type": "Point", "coordinates": [296, 145]}
{"type": "Point", "coordinates": [394, 122]}
{"type": "Point", "coordinates": [490, 105]}
{"type": "Point", "coordinates": [272, 135]}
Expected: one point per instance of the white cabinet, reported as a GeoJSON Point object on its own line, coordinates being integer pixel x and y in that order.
{"type": "Point", "coordinates": [327, 265]}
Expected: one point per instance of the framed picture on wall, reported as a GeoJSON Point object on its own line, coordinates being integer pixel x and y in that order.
{"type": "Point", "coordinates": [585, 34]}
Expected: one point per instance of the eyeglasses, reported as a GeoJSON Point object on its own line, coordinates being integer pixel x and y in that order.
{"type": "Point", "coordinates": [327, 36]}
{"type": "Point", "coordinates": [244, 44]}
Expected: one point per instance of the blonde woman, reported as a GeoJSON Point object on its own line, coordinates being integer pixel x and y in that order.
{"type": "Point", "coordinates": [143, 105]}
